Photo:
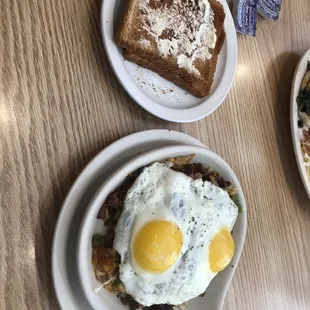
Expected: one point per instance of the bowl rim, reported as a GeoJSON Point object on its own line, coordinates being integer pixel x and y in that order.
{"type": "Point", "coordinates": [113, 182]}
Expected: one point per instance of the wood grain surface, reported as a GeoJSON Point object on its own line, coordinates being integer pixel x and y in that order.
{"type": "Point", "coordinates": [60, 104]}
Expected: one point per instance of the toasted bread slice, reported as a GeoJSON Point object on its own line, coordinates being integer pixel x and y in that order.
{"type": "Point", "coordinates": [141, 47]}
{"type": "Point", "coordinates": [198, 89]}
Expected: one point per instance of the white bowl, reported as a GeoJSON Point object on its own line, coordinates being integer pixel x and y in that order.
{"type": "Point", "coordinates": [64, 265]}
{"type": "Point", "coordinates": [216, 292]}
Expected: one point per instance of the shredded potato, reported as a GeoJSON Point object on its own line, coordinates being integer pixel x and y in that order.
{"type": "Point", "coordinates": [105, 262]}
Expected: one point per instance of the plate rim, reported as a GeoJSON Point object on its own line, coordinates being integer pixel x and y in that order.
{"type": "Point", "coordinates": [294, 122]}
{"type": "Point", "coordinates": [68, 301]}
{"type": "Point", "coordinates": [169, 114]}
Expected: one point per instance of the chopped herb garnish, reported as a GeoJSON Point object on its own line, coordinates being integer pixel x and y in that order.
{"type": "Point", "coordinates": [303, 101]}
{"type": "Point", "coordinates": [235, 199]}
{"type": "Point", "coordinates": [116, 282]}
{"type": "Point", "coordinates": [98, 241]}
{"type": "Point", "coordinates": [239, 208]}
{"type": "Point", "coordinates": [117, 214]}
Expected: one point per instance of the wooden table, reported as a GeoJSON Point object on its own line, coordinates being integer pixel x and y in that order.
{"type": "Point", "coordinates": [60, 104]}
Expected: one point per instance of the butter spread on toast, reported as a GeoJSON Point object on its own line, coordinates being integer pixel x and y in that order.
{"type": "Point", "coordinates": [181, 28]}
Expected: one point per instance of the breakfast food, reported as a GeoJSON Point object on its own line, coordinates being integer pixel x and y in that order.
{"type": "Point", "coordinates": [178, 39]}
{"type": "Point", "coordinates": [303, 101]}
{"type": "Point", "coordinates": [168, 234]}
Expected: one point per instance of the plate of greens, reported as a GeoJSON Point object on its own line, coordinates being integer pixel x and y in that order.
{"type": "Point", "coordinates": [300, 118]}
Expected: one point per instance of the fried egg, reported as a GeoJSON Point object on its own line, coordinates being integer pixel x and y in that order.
{"type": "Point", "coordinates": [173, 236]}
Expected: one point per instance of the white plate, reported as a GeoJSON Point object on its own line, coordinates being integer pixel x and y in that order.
{"type": "Point", "coordinates": [296, 132]}
{"type": "Point", "coordinates": [216, 292]}
{"type": "Point", "coordinates": [64, 267]}
{"type": "Point", "coordinates": [157, 95]}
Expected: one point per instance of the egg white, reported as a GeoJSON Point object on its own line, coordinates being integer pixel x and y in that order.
{"type": "Point", "coordinates": [197, 207]}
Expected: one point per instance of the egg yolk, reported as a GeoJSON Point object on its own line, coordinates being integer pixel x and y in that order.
{"type": "Point", "coordinates": [157, 246]}
{"type": "Point", "coordinates": [221, 250]}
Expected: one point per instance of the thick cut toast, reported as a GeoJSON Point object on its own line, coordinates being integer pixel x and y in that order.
{"type": "Point", "coordinates": [135, 35]}
{"type": "Point", "coordinates": [199, 89]}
